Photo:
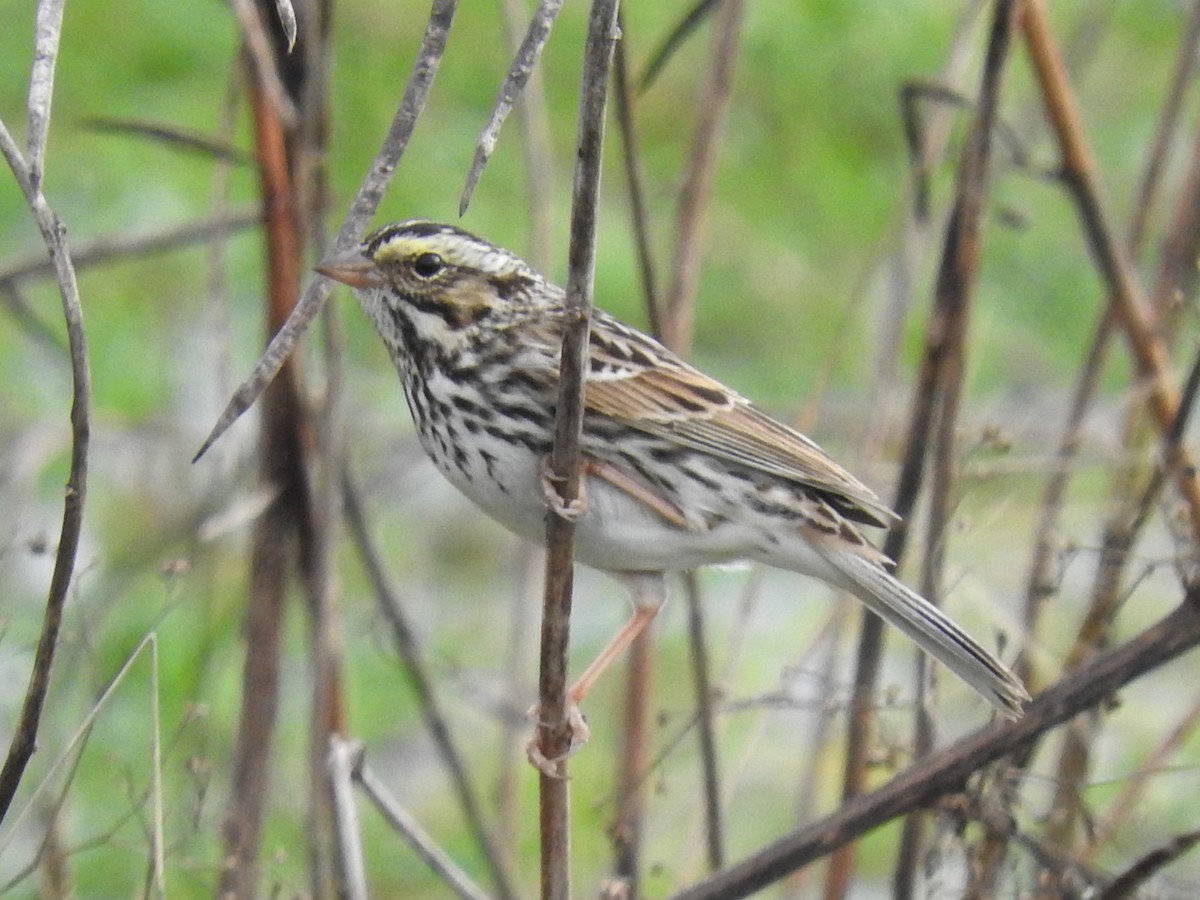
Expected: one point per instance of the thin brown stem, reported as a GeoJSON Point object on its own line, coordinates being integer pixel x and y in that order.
{"type": "Point", "coordinates": [626, 828]}
{"type": "Point", "coordinates": [413, 834]}
{"type": "Point", "coordinates": [635, 181]}
{"type": "Point", "coordinates": [1168, 124]}
{"type": "Point", "coordinates": [672, 323]}
{"type": "Point", "coordinates": [634, 760]}
{"type": "Point", "coordinates": [283, 532]}
{"type": "Point", "coordinates": [24, 735]}
{"type": "Point", "coordinates": [1149, 353]}
{"type": "Point", "coordinates": [1127, 883]}
{"type": "Point", "coordinates": [944, 332]}
{"type": "Point", "coordinates": [714, 830]}
{"type": "Point", "coordinates": [119, 247]}
{"type": "Point", "coordinates": [953, 293]}
{"type": "Point", "coordinates": [409, 649]}
{"type": "Point", "coordinates": [362, 208]}
{"type": "Point", "coordinates": [1121, 810]}
{"type": "Point", "coordinates": [695, 198]}
{"type": "Point", "coordinates": [554, 734]}
{"type": "Point", "coordinates": [947, 770]}
{"type": "Point", "coordinates": [28, 175]}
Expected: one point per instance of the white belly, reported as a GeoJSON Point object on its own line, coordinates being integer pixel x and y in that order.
{"type": "Point", "coordinates": [617, 532]}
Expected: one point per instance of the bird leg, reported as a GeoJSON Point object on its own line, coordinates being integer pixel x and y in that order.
{"type": "Point", "coordinates": [638, 491]}
{"type": "Point", "coordinates": [648, 593]}
{"type": "Point", "coordinates": [572, 511]}
{"type": "Point", "coordinates": [616, 477]}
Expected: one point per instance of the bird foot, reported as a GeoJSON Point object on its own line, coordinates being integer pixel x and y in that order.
{"type": "Point", "coordinates": [580, 733]}
{"type": "Point", "coordinates": [572, 511]}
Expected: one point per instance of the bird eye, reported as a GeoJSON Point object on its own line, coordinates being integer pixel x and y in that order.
{"type": "Point", "coordinates": [428, 264]}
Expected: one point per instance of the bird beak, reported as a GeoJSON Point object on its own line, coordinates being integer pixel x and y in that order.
{"type": "Point", "coordinates": [351, 268]}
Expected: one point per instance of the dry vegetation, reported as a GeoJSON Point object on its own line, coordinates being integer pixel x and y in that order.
{"type": "Point", "coordinates": [766, 751]}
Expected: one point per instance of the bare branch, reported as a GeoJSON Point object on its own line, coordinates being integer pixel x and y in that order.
{"type": "Point", "coordinates": [1168, 124]}
{"type": "Point", "coordinates": [110, 248]}
{"type": "Point", "coordinates": [363, 207]}
{"type": "Point", "coordinates": [47, 33]}
{"type": "Point", "coordinates": [948, 770]}
{"type": "Point", "coordinates": [947, 348]}
{"type": "Point", "coordinates": [414, 835]}
{"type": "Point", "coordinates": [514, 83]}
{"type": "Point", "coordinates": [173, 136]}
{"type": "Point", "coordinates": [714, 829]}
{"type": "Point", "coordinates": [344, 758]}
{"type": "Point", "coordinates": [692, 19]}
{"type": "Point", "coordinates": [54, 235]}
{"type": "Point", "coordinates": [422, 685]}
{"type": "Point", "coordinates": [639, 218]}
{"type": "Point", "coordinates": [554, 737]}
{"type": "Point", "coordinates": [1146, 867]}
{"type": "Point", "coordinates": [696, 195]}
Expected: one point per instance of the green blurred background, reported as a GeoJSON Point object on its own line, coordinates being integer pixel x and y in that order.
{"type": "Point", "coordinates": [810, 194]}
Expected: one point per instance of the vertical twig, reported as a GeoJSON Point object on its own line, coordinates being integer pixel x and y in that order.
{"type": "Point", "coordinates": [283, 534]}
{"type": "Point", "coordinates": [959, 261]}
{"type": "Point", "coordinates": [691, 216]}
{"type": "Point", "coordinates": [626, 829]}
{"type": "Point", "coordinates": [1168, 124]}
{"type": "Point", "coordinates": [554, 736]}
{"type": "Point", "coordinates": [631, 160]}
{"type": "Point", "coordinates": [24, 738]}
{"type": "Point", "coordinates": [1149, 353]}
{"type": "Point", "coordinates": [343, 759]}
{"type": "Point", "coordinates": [672, 323]}
{"type": "Point", "coordinates": [302, 55]}
{"type": "Point", "coordinates": [714, 829]}
{"type": "Point", "coordinates": [952, 296]}
{"type": "Point", "coordinates": [632, 764]}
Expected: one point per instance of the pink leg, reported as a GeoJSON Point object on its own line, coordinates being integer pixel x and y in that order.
{"type": "Point", "coordinates": [648, 591]}
{"type": "Point", "coordinates": [622, 481]}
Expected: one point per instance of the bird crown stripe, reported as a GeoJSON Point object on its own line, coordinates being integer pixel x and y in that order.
{"type": "Point", "coordinates": [408, 240]}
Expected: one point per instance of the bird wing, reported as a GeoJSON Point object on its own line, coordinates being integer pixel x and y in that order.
{"type": "Point", "coordinates": [663, 396]}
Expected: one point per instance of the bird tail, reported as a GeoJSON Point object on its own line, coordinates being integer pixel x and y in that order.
{"type": "Point", "coordinates": [932, 629]}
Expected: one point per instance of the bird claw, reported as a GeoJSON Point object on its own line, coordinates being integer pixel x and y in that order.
{"type": "Point", "coordinates": [580, 733]}
{"type": "Point", "coordinates": [572, 511]}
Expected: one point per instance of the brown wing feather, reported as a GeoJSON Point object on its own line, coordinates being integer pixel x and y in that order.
{"type": "Point", "coordinates": [687, 406]}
